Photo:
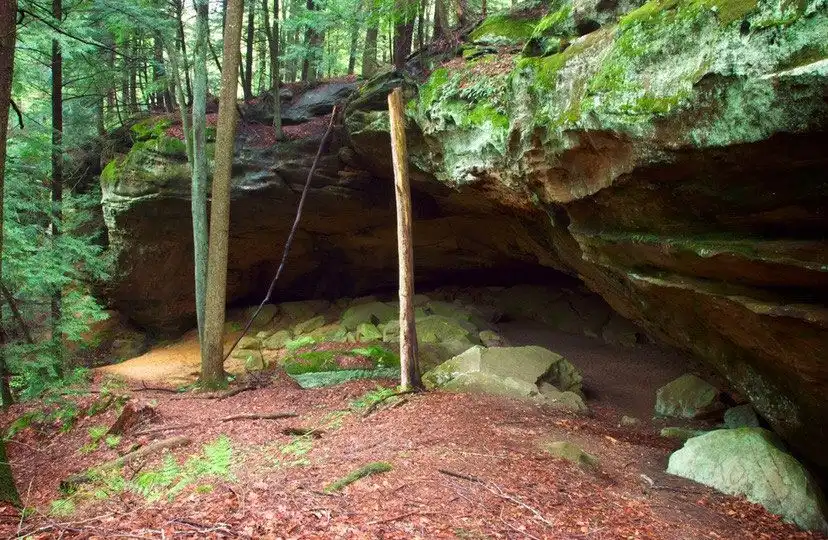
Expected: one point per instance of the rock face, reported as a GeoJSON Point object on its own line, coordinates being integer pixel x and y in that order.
{"type": "Point", "coordinates": [675, 159]}
{"type": "Point", "coordinates": [749, 462]}
{"type": "Point", "coordinates": [317, 102]}
{"type": "Point", "coordinates": [672, 159]}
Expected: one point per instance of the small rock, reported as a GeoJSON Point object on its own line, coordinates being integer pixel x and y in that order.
{"type": "Point", "coordinates": [574, 453]}
{"type": "Point", "coordinates": [687, 397]}
{"type": "Point", "coordinates": [253, 360]}
{"type": "Point", "coordinates": [368, 332]}
{"type": "Point", "coordinates": [309, 325]}
{"type": "Point", "coordinates": [277, 340]}
{"type": "Point", "coordinates": [680, 433]}
{"type": "Point", "coordinates": [249, 342]}
{"type": "Point", "coordinates": [628, 421]}
{"type": "Point", "coordinates": [749, 461]}
{"type": "Point", "coordinates": [369, 312]}
{"type": "Point", "coordinates": [490, 338]}
{"type": "Point", "coordinates": [741, 416]}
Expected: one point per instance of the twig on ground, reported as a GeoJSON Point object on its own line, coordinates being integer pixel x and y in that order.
{"type": "Point", "coordinates": [165, 428]}
{"type": "Point", "coordinates": [402, 516]}
{"type": "Point", "coordinates": [497, 490]}
{"type": "Point", "coordinates": [235, 392]}
{"type": "Point", "coordinates": [264, 416]}
{"type": "Point", "coordinates": [303, 432]}
{"type": "Point", "coordinates": [145, 388]}
{"type": "Point", "coordinates": [524, 533]}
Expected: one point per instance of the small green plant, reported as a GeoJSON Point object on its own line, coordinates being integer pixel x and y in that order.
{"type": "Point", "coordinates": [62, 507]}
{"type": "Point", "coordinates": [294, 453]}
{"type": "Point", "coordinates": [112, 441]}
{"type": "Point", "coordinates": [296, 344]}
{"type": "Point", "coordinates": [382, 357]}
{"type": "Point", "coordinates": [373, 397]}
{"type": "Point", "coordinates": [376, 467]}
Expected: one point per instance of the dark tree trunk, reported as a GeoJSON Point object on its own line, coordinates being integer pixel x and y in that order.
{"type": "Point", "coordinates": [272, 33]}
{"type": "Point", "coordinates": [403, 32]}
{"type": "Point", "coordinates": [57, 177]}
{"type": "Point", "coordinates": [462, 13]}
{"type": "Point", "coordinates": [369, 55]}
{"type": "Point", "coordinates": [182, 41]}
{"type": "Point", "coordinates": [247, 72]}
{"type": "Point", "coordinates": [441, 24]}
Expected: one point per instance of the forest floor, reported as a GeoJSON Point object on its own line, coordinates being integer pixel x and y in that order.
{"type": "Point", "coordinates": [462, 466]}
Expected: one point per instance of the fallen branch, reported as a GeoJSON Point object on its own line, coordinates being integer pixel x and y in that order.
{"type": "Point", "coordinates": [235, 392]}
{"type": "Point", "coordinates": [73, 481]}
{"type": "Point", "coordinates": [461, 476]}
{"type": "Point", "coordinates": [405, 515]}
{"type": "Point", "coordinates": [164, 428]}
{"type": "Point", "coordinates": [145, 388]}
{"type": "Point", "coordinates": [303, 432]}
{"type": "Point", "coordinates": [255, 416]}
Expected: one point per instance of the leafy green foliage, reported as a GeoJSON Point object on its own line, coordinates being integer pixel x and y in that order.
{"type": "Point", "coordinates": [294, 453]}
{"type": "Point", "coordinates": [372, 397]}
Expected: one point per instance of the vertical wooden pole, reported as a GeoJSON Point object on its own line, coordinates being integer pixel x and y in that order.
{"type": "Point", "coordinates": [409, 366]}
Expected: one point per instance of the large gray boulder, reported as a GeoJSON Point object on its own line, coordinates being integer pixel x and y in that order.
{"type": "Point", "coordinates": [317, 102]}
{"type": "Point", "coordinates": [531, 372]}
{"type": "Point", "coordinates": [750, 462]}
{"type": "Point", "coordinates": [687, 397]}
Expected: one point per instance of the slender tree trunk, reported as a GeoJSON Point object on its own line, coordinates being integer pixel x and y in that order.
{"type": "Point", "coordinates": [178, 86]}
{"type": "Point", "coordinates": [421, 9]}
{"type": "Point", "coordinates": [247, 73]}
{"type": "Point", "coordinates": [291, 67]}
{"type": "Point", "coordinates": [272, 33]}
{"type": "Point", "coordinates": [313, 42]}
{"type": "Point", "coordinates": [409, 366]}
{"type": "Point", "coordinates": [57, 179]}
{"type": "Point", "coordinates": [369, 55]}
{"type": "Point", "coordinates": [354, 43]}
{"type": "Point", "coordinates": [133, 75]}
{"type": "Point", "coordinates": [8, 18]}
{"type": "Point", "coordinates": [212, 363]}
{"type": "Point", "coordinates": [199, 183]}
{"type": "Point", "coordinates": [182, 40]}
{"type": "Point", "coordinates": [484, 8]}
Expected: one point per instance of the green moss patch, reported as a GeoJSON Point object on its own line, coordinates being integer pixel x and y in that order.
{"type": "Point", "coordinates": [504, 29]}
{"type": "Point", "coordinates": [376, 467]}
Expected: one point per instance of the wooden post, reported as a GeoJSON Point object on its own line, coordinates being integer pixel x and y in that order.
{"type": "Point", "coordinates": [409, 366]}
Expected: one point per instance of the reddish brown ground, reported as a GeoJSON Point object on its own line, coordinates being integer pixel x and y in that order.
{"type": "Point", "coordinates": [527, 493]}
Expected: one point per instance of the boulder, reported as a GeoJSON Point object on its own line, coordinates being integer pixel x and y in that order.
{"type": "Point", "coordinates": [750, 462]}
{"type": "Point", "coordinates": [277, 340]}
{"type": "Point", "coordinates": [687, 397]}
{"type": "Point", "coordinates": [369, 312]}
{"type": "Point", "coordinates": [490, 338]}
{"type": "Point", "coordinates": [253, 359]}
{"type": "Point", "coordinates": [741, 416]}
{"type": "Point", "coordinates": [519, 372]}
{"type": "Point", "coordinates": [249, 342]}
{"type": "Point", "coordinates": [317, 102]}
{"type": "Point", "coordinates": [368, 332]}
{"type": "Point", "coordinates": [630, 421]}
{"type": "Point", "coordinates": [309, 325]}
{"type": "Point", "coordinates": [573, 453]}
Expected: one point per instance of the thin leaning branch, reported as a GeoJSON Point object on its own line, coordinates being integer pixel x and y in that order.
{"type": "Point", "coordinates": [322, 144]}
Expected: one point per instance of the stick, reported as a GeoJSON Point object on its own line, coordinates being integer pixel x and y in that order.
{"type": "Point", "coordinates": [409, 369]}
{"type": "Point", "coordinates": [174, 442]}
{"type": "Point", "coordinates": [292, 233]}
{"type": "Point", "coordinates": [145, 388]}
{"type": "Point", "coordinates": [377, 403]}
{"type": "Point", "coordinates": [162, 429]}
{"type": "Point", "coordinates": [497, 490]}
{"type": "Point", "coordinates": [303, 432]}
{"type": "Point", "coordinates": [254, 416]}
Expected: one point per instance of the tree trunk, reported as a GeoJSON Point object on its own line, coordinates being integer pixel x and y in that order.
{"type": "Point", "coordinates": [421, 9]}
{"type": "Point", "coordinates": [247, 74]}
{"type": "Point", "coordinates": [272, 33]}
{"type": "Point", "coordinates": [409, 366]}
{"type": "Point", "coordinates": [462, 13]}
{"type": "Point", "coordinates": [57, 179]}
{"type": "Point", "coordinates": [185, 65]}
{"type": "Point", "coordinates": [354, 42]}
{"type": "Point", "coordinates": [369, 55]}
{"type": "Point", "coordinates": [172, 53]}
{"type": "Point", "coordinates": [441, 24]}
{"type": "Point", "coordinates": [198, 199]}
{"type": "Point", "coordinates": [312, 43]}
{"type": "Point", "coordinates": [212, 363]}
{"type": "Point", "coordinates": [403, 32]}
{"type": "Point", "coordinates": [8, 18]}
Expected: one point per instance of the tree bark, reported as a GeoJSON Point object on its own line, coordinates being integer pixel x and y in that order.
{"type": "Point", "coordinates": [272, 33]}
{"type": "Point", "coordinates": [409, 365]}
{"type": "Point", "coordinates": [212, 363]}
{"type": "Point", "coordinates": [247, 74]}
{"type": "Point", "coordinates": [369, 55]}
{"type": "Point", "coordinates": [57, 178]}
{"type": "Point", "coordinates": [312, 43]}
{"type": "Point", "coordinates": [185, 63]}
{"type": "Point", "coordinates": [462, 13]}
{"type": "Point", "coordinates": [403, 31]}
{"type": "Point", "coordinates": [198, 199]}
{"type": "Point", "coordinates": [8, 18]}
{"type": "Point", "coordinates": [441, 24]}
{"type": "Point", "coordinates": [354, 41]}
